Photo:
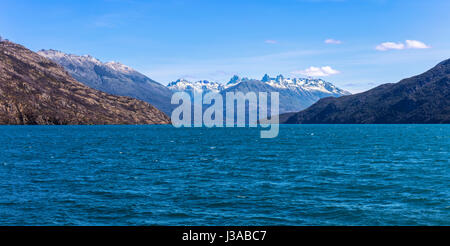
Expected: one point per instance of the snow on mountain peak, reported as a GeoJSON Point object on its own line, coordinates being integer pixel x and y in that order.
{"type": "Point", "coordinates": [305, 84]}
{"type": "Point", "coordinates": [280, 82]}
{"type": "Point", "coordinates": [119, 67]}
{"type": "Point", "coordinates": [53, 53]}
{"type": "Point", "coordinates": [197, 86]}
{"type": "Point", "coordinates": [64, 58]}
{"type": "Point", "coordinates": [84, 60]}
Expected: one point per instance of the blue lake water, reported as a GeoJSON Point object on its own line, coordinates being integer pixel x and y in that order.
{"type": "Point", "coordinates": [160, 175]}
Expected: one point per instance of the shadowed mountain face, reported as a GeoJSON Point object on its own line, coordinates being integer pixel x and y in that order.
{"type": "Point", "coordinates": [113, 78]}
{"type": "Point", "coordinates": [421, 99]}
{"type": "Point", "coordinates": [35, 90]}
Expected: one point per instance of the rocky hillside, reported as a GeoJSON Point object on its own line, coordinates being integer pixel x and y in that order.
{"type": "Point", "coordinates": [35, 90]}
{"type": "Point", "coordinates": [421, 99]}
{"type": "Point", "coordinates": [113, 77]}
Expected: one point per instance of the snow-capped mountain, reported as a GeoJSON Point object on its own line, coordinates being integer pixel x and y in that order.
{"type": "Point", "coordinates": [119, 67]}
{"type": "Point", "coordinates": [295, 94]}
{"type": "Point", "coordinates": [303, 84]}
{"type": "Point", "coordinates": [203, 86]}
{"type": "Point", "coordinates": [113, 77]}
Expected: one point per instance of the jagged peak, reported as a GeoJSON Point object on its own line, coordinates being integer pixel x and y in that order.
{"type": "Point", "coordinates": [183, 80]}
{"type": "Point", "coordinates": [279, 78]}
{"type": "Point", "coordinates": [236, 80]}
{"type": "Point", "coordinates": [279, 82]}
{"type": "Point", "coordinates": [200, 85]}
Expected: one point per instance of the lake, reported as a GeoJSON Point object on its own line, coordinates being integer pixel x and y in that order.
{"type": "Point", "coordinates": [161, 175]}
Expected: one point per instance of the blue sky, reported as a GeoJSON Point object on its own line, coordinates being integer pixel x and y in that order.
{"type": "Point", "coordinates": [213, 40]}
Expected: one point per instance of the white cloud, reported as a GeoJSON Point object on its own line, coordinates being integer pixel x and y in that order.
{"type": "Point", "coordinates": [333, 41]}
{"type": "Point", "coordinates": [270, 41]}
{"type": "Point", "coordinates": [409, 44]}
{"type": "Point", "coordinates": [414, 44]}
{"type": "Point", "coordinates": [317, 71]}
{"type": "Point", "coordinates": [390, 46]}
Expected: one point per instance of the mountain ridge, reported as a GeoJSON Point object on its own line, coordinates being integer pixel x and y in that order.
{"type": "Point", "coordinates": [295, 94]}
{"type": "Point", "coordinates": [112, 77]}
{"type": "Point", "coordinates": [36, 91]}
{"type": "Point", "coordinates": [424, 98]}
{"type": "Point", "coordinates": [118, 79]}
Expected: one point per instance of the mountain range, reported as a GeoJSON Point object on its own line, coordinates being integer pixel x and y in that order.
{"type": "Point", "coordinates": [51, 87]}
{"type": "Point", "coordinates": [113, 78]}
{"type": "Point", "coordinates": [424, 98]}
{"type": "Point", "coordinates": [118, 79]}
{"type": "Point", "coordinates": [295, 94]}
{"type": "Point", "coordinates": [35, 90]}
